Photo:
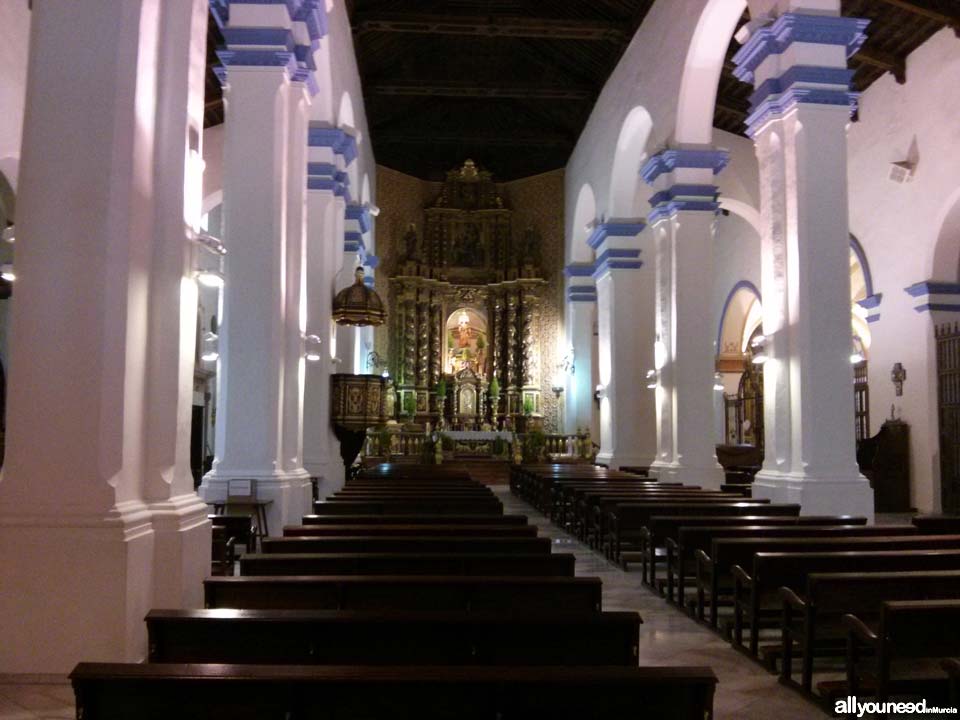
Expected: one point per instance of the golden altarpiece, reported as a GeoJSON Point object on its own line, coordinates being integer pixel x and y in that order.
{"type": "Point", "coordinates": [465, 311]}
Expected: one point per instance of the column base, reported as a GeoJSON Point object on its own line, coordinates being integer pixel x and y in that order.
{"type": "Point", "coordinates": [709, 478]}
{"type": "Point", "coordinates": [615, 460]}
{"type": "Point", "coordinates": [816, 496]}
{"type": "Point", "coordinates": [77, 587]}
{"type": "Point", "coordinates": [181, 550]}
{"type": "Point", "coordinates": [289, 493]}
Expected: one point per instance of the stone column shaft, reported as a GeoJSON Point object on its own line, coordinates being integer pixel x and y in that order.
{"type": "Point", "coordinates": [101, 272]}
{"type": "Point", "coordinates": [798, 121]}
{"type": "Point", "coordinates": [624, 287]}
{"type": "Point", "coordinates": [683, 216]}
{"type": "Point", "coordinates": [580, 316]}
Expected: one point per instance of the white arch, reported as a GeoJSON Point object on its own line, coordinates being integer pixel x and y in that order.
{"type": "Point", "coordinates": [631, 151]}
{"type": "Point", "coordinates": [584, 216]}
{"type": "Point", "coordinates": [743, 210]}
{"type": "Point", "coordinates": [701, 72]}
{"type": "Point", "coordinates": [945, 261]}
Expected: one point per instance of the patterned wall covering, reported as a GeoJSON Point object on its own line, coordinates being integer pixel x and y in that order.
{"type": "Point", "coordinates": [537, 203]}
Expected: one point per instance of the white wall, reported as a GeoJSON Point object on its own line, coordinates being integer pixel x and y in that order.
{"type": "Point", "coordinates": [898, 226]}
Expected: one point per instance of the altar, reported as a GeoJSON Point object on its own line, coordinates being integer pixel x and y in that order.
{"type": "Point", "coordinates": [466, 296]}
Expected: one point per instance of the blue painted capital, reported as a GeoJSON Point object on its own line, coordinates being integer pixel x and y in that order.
{"type": "Point", "coordinates": [792, 28]}
{"type": "Point", "coordinates": [582, 269]}
{"type": "Point", "coordinates": [614, 229]}
{"type": "Point", "coordinates": [683, 198]}
{"type": "Point", "coordinates": [582, 294]}
{"type": "Point", "coordinates": [342, 143]}
{"type": "Point", "coordinates": [272, 46]}
{"type": "Point", "coordinates": [361, 215]}
{"type": "Point", "coordinates": [935, 296]}
{"type": "Point", "coordinates": [669, 160]}
{"type": "Point", "coordinates": [325, 176]}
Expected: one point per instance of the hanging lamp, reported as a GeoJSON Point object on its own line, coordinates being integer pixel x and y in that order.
{"type": "Point", "coordinates": [358, 304]}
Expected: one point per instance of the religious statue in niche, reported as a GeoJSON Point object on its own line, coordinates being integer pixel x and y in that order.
{"type": "Point", "coordinates": [466, 343]}
{"type": "Point", "coordinates": [409, 245]}
{"type": "Point", "coordinates": [530, 248]}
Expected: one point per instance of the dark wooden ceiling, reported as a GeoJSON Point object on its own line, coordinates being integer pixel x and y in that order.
{"type": "Point", "coordinates": [511, 83]}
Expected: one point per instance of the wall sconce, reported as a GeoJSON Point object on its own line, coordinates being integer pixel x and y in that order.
{"type": "Point", "coordinates": [718, 382]}
{"type": "Point", "coordinates": [6, 272]}
{"type": "Point", "coordinates": [651, 379]}
{"type": "Point", "coordinates": [659, 354]}
{"type": "Point", "coordinates": [210, 347]}
{"type": "Point", "coordinates": [311, 350]}
{"type": "Point", "coordinates": [599, 393]}
{"type": "Point", "coordinates": [9, 234]}
{"type": "Point", "coordinates": [759, 347]}
{"type": "Point", "coordinates": [898, 375]}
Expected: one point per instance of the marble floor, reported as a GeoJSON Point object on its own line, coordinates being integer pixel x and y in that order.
{"type": "Point", "coordinates": [667, 637]}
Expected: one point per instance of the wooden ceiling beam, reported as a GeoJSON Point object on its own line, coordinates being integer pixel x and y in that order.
{"type": "Point", "coordinates": [951, 19]}
{"type": "Point", "coordinates": [884, 61]}
{"type": "Point", "coordinates": [476, 90]}
{"type": "Point", "coordinates": [738, 112]}
{"type": "Point", "coordinates": [486, 139]}
{"type": "Point", "coordinates": [492, 26]}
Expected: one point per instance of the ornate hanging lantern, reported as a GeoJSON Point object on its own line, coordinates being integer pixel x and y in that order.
{"type": "Point", "coordinates": [358, 304]}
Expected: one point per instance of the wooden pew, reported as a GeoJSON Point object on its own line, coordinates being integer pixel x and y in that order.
{"type": "Point", "coordinates": [949, 524]}
{"type": "Point", "coordinates": [812, 618]}
{"type": "Point", "coordinates": [421, 519]}
{"type": "Point", "coordinates": [714, 570]}
{"type": "Point", "coordinates": [757, 592]}
{"type": "Point", "coordinates": [407, 507]}
{"type": "Point", "coordinates": [385, 592]}
{"type": "Point", "coordinates": [547, 564]}
{"type": "Point", "coordinates": [564, 493]}
{"type": "Point", "coordinates": [907, 630]}
{"type": "Point", "coordinates": [594, 512]}
{"type": "Point", "coordinates": [411, 530]}
{"type": "Point", "coordinates": [222, 555]}
{"type": "Point", "coordinates": [661, 532]}
{"type": "Point", "coordinates": [265, 692]}
{"type": "Point", "coordinates": [576, 501]}
{"type": "Point", "coordinates": [613, 527]}
{"type": "Point", "coordinates": [626, 516]}
{"type": "Point", "coordinates": [374, 544]}
{"type": "Point", "coordinates": [323, 637]}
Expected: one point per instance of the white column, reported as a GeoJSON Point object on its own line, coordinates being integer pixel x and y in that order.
{"type": "Point", "coordinates": [799, 118]}
{"type": "Point", "coordinates": [330, 150]}
{"type": "Point", "coordinates": [181, 528]}
{"type": "Point", "coordinates": [666, 463]}
{"type": "Point", "coordinates": [580, 318]}
{"type": "Point", "coordinates": [683, 217]}
{"type": "Point", "coordinates": [624, 288]}
{"type": "Point", "coordinates": [98, 279]}
{"type": "Point", "coordinates": [295, 308]}
{"type": "Point", "coordinates": [319, 456]}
